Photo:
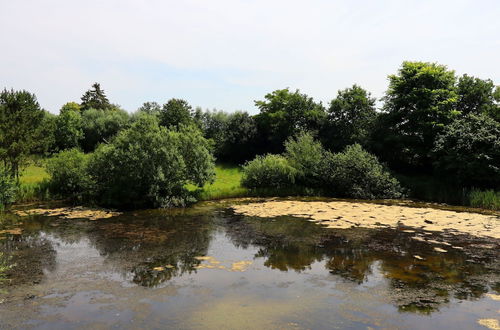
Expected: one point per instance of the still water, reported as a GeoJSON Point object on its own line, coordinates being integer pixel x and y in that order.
{"type": "Point", "coordinates": [205, 267]}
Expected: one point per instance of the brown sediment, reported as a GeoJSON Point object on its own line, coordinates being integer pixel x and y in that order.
{"type": "Point", "coordinates": [343, 215]}
{"type": "Point", "coordinates": [77, 212]}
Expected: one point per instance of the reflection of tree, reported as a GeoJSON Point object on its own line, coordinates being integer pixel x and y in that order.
{"type": "Point", "coordinates": [138, 244]}
{"type": "Point", "coordinates": [287, 244]}
{"type": "Point", "coordinates": [417, 284]}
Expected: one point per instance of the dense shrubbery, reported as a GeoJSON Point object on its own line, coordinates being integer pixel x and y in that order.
{"type": "Point", "coordinates": [352, 173]}
{"type": "Point", "coordinates": [68, 172]}
{"type": "Point", "coordinates": [147, 165]}
{"type": "Point", "coordinates": [358, 174]}
{"type": "Point", "coordinates": [269, 171]}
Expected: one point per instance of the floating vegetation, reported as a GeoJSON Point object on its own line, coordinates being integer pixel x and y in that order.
{"type": "Point", "coordinates": [344, 215]}
{"type": "Point", "coordinates": [77, 212]}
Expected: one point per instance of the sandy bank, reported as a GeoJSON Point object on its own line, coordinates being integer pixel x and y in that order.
{"type": "Point", "coordinates": [339, 214]}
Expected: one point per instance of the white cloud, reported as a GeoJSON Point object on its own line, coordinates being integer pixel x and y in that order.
{"type": "Point", "coordinates": [228, 53]}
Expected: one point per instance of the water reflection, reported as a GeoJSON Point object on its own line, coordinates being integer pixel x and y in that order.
{"type": "Point", "coordinates": [150, 248]}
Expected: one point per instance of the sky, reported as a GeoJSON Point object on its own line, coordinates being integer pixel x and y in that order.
{"type": "Point", "coordinates": [226, 54]}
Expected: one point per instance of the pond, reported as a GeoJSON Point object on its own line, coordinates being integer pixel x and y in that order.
{"type": "Point", "coordinates": [209, 267]}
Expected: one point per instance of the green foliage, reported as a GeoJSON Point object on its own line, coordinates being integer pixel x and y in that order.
{"type": "Point", "coordinates": [283, 114]}
{"type": "Point", "coordinates": [419, 103]}
{"type": "Point", "coordinates": [8, 188]}
{"type": "Point", "coordinates": [476, 96]}
{"type": "Point", "coordinates": [71, 106]}
{"type": "Point", "coordinates": [307, 156]}
{"type": "Point", "coordinates": [145, 165]}
{"type": "Point", "coordinates": [239, 138]}
{"type": "Point", "coordinates": [358, 174]}
{"type": "Point", "coordinates": [233, 135]}
{"type": "Point", "coordinates": [68, 129]}
{"type": "Point", "coordinates": [150, 108]}
{"type": "Point", "coordinates": [269, 171]}
{"type": "Point", "coordinates": [20, 119]}
{"type": "Point", "coordinates": [468, 151]}
{"type": "Point", "coordinates": [488, 199]}
{"type": "Point", "coordinates": [68, 174]}
{"type": "Point", "coordinates": [101, 126]}
{"type": "Point", "coordinates": [350, 119]}
{"type": "Point", "coordinates": [176, 112]}
{"type": "Point", "coordinates": [195, 152]}
{"type": "Point", "coordinates": [95, 98]}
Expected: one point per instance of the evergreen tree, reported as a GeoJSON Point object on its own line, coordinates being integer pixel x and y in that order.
{"type": "Point", "coordinates": [95, 98]}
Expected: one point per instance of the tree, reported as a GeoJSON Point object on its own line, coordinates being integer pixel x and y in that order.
{"type": "Point", "coordinates": [150, 108]}
{"type": "Point", "coordinates": [176, 112]}
{"type": "Point", "coordinates": [68, 130]}
{"type": "Point", "coordinates": [477, 96]}
{"type": "Point", "coordinates": [307, 156]}
{"type": "Point", "coordinates": [20, 120]}
{"type": "Point", "coordinates": [419, 103]}
{"type": "Point", "coordinates": [95, 98]}
{"type": "Point", "coordinates": [283, 114]}
{"type": "Point", "coordinates": [468, 151]}
{"type": "Point", "coordinates": [70, 106]}
{"type": "Point", "coordinates": [239, 138]}
{"type": "Point", "coordinates": [350, 118]}
{"type": "Point", "coordinates": [101, 126]}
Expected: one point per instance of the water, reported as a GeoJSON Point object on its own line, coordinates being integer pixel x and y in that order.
{"type": "Point", "coordinates": [206, 267]}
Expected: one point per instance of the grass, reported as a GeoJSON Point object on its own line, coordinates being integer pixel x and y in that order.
{"type": "Point", "coordinates": [488, 199]}
{"type": "Point", "coordinates": [226, 184]}
{"type": "Point", "coordinates": [33, 184]}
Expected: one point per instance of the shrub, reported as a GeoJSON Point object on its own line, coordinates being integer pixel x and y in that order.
{"type": "Point", "coordinates": [307, 156]}
{"type": "Point", "coordinates": [148, 166]}
{"type": "Point", "coordinates": [271, 171]}
{"type": "Point", "coordinates": [358, 174]}
{"type": "Point", "coordinates": [68, 171]}
{"type": "Point", "coordinates": [8, 188]}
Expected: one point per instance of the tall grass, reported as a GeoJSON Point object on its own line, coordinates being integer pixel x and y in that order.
{"type": "Point", "coordinates": [226, 184]}
{"type": "Point", "coordinates": [488, 199]}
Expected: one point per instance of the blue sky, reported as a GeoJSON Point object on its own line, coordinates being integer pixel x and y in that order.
{"type": "Point", "coordinates": [227, 53]}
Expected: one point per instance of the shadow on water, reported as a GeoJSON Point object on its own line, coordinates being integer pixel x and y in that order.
{"type": "Point", "coordinates": [419, 271]}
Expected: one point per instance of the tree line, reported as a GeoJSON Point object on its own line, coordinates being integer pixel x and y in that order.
{"type": "Point", "coordinates": [430, 121]}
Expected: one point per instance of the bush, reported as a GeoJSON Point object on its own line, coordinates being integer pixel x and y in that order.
{"type": "Point", "coordinates": [101, 126]}
{"type": "Point", "coordinates": [148, 166]}
{"type": "Point", "coordinates": [356, 173]}
{"type": "Point", "coordinates": [307, 156]}
{"type": "Point", "coordinates": [270, 171]}
{"type": "Point", "coordinates": [8, 188]}
{"type": "Point", "coordinates": [68, 171]}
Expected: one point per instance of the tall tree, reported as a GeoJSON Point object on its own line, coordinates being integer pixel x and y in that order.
{"type": "Point", "coordinates": [95, 98]}
{"type": "Point", "coordinates": [176, 112]}
{"type": "Point", "coordinates": [20, 120]}
{"type": "Point", "coordinates": [477, 96]}
{"type": "Point", "coordinates": [283, 114]}
{"type": "Point", "coordinates": [350, 118]}
{"type": "Point", "coordinates": [419, 103]}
